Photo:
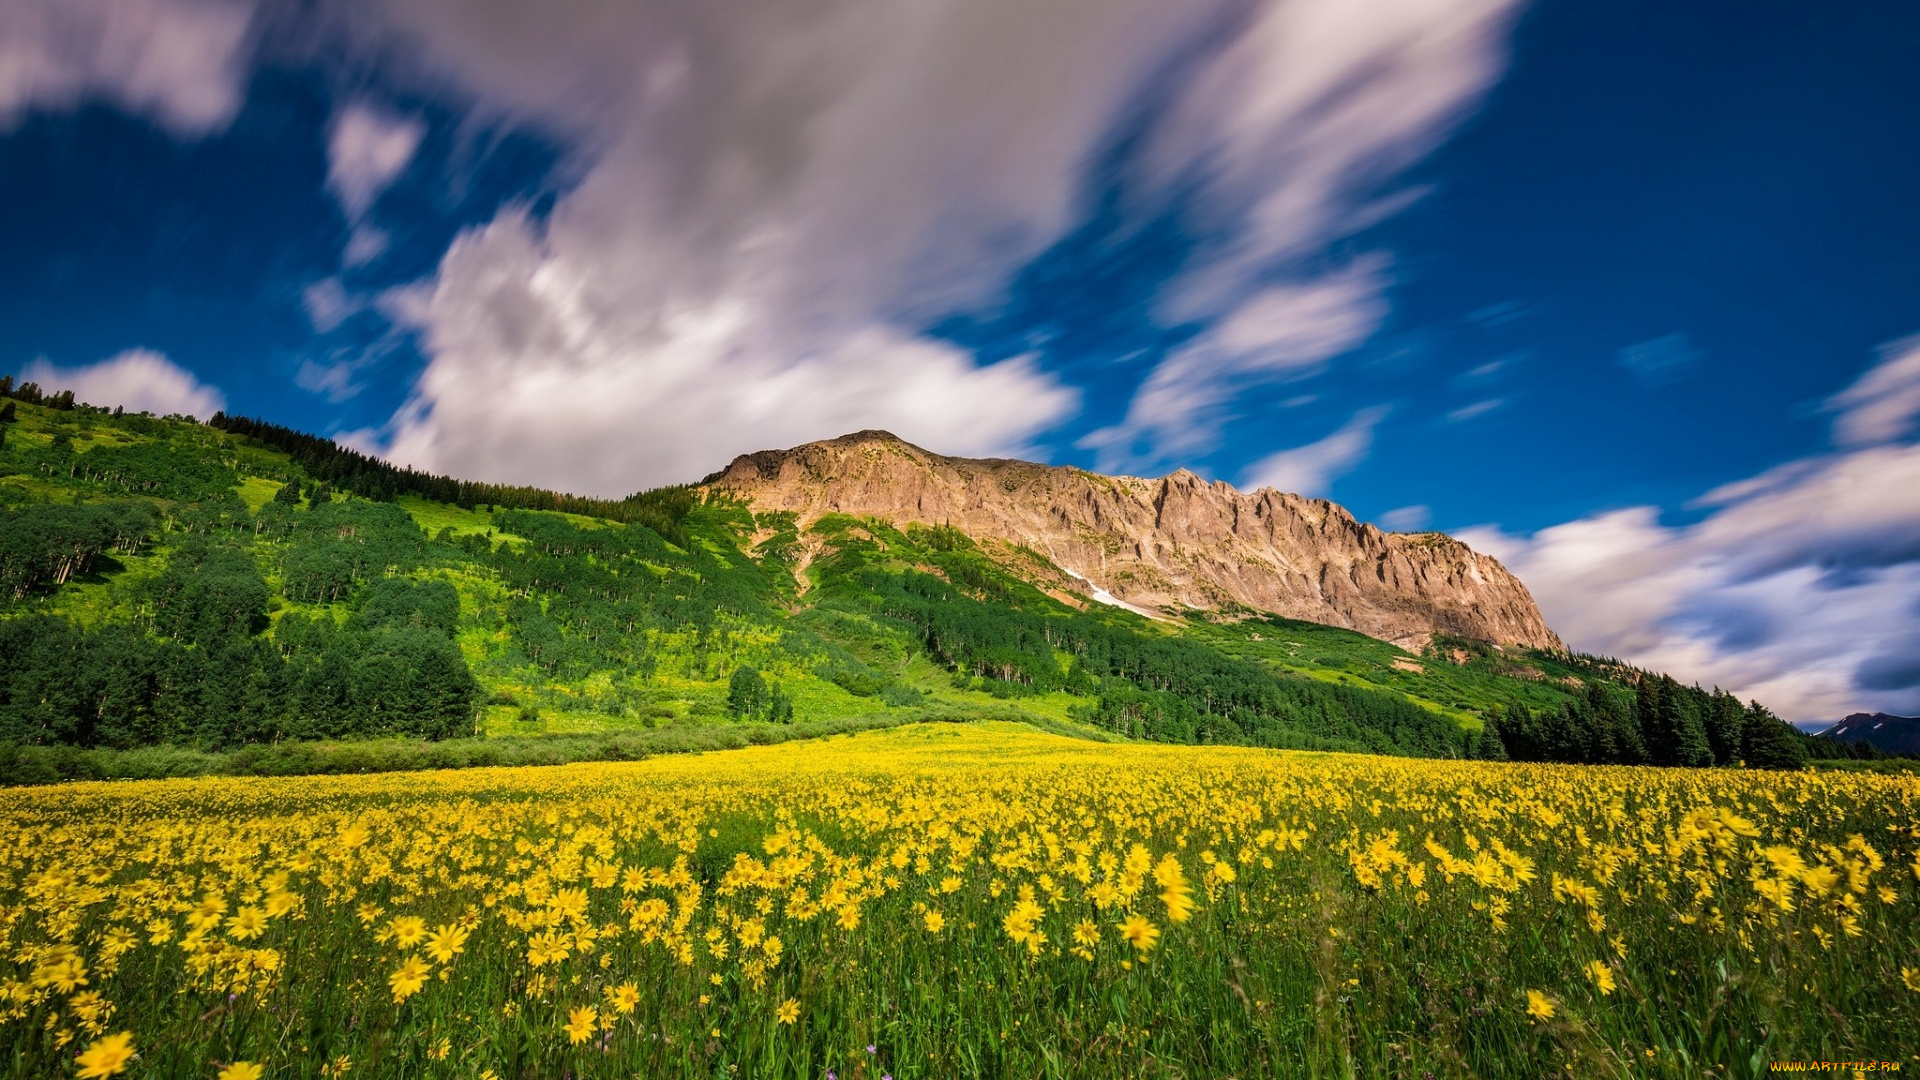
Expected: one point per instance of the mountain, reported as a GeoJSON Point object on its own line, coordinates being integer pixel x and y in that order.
{"type": "Point", "coordinates": [219, 586]}
{"type": "Point", "coordinates": [1159, 546]}
{"type": "Point", "coordinates": [1883, 731]}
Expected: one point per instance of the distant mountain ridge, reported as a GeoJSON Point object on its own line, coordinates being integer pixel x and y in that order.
{"type": "Point", "coordinates": [1883, 731]}
{"type": "Point", "coordinates": [1161, 544]}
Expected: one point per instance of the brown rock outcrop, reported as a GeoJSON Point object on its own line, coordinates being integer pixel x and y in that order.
{"type": "Point", "coordinates": [1164, 544]}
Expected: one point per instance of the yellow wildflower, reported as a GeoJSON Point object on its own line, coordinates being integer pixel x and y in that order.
{"type": "Point", "coordinates": [106, 1057]}
{"type": "Point", "coordinates": [1140, 933]}
{"type": "Point", "coordinates": [580, 1024]}
{"type": "Point", "coordinates": [409, 978]}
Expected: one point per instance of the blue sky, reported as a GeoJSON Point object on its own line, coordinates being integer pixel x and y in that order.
{"type": "Point", "coordinates": [1621, 293]}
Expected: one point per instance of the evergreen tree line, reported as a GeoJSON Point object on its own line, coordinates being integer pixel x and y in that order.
{"type": "Point", "coordinates": [662, 510]}
{"type": "Point", "coordinates": [584, 599]}
{"type": "Point", "coordinates": [157, 470]}
{"type": "Point", "coordinates": [32, 394]}
{"type": "Point", "coordinates": [1167, 689]}
{"type": "Point", "coordinates": [202, 672]}
{"type": "Point", "coordinates": [751, 697]}
{"type": "Point", "coordinates": [1657, 722]}
{"type": "Point", "coordinates": [43, 547]}
{"type": "Point", "coordinates": [153, 470]}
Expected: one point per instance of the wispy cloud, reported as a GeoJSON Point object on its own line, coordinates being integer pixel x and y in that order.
{"type": "Point", "coordinates": [1660, 359]}
{"type": "Point", "coordinates": [368, 147]}
{"type": "Point", "coordinates": [1292, 136]}
{"type": "Point", "coordinates": [1478, 408]}
{"type": "Point", "coordinates": [1797, 588]}
{"type": "Point", "coordinates": [1500, 314]}
{"type": "Point", "coordinates": [766, 203]}
{"type": "Point", "coordinates": [770, 205]}
{"type": "Point", "coordinates": [1883, 405]}
{"type": "Point", "coordinates": [182, 63]}
{"type": "Point", "coordinates": [1312, 469]}
{"type": "Point", "coordinates": [1496, 368]}
{"type": "Point", "coordinates": [1407, 518]}
{"type": "Point", "coordinates": [137, 379]}
{"type": "Point", "coordinates": [1283, 331]}
{"type": "Point", "coordinates": [328, 304]}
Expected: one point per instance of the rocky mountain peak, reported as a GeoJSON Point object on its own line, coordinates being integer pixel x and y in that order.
{"type": "Point", "coordinates": [1160, 545]}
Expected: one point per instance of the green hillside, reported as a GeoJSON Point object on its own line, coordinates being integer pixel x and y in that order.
{"type": "Point", "coordinates": [165, 582]}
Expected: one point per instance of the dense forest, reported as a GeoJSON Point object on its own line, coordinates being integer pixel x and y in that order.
{"type": "Point", "coordinates": [165, 582]}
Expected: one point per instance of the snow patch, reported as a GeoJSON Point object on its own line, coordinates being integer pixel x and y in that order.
{"type": "Point", "coordinates": [1102, 596]}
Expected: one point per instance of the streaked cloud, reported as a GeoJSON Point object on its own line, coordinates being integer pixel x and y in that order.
{"type": "Point", "coordinates": [1293, 136]}
{"type": "Point", "coordinates": [181, 63]}
{"type": "Point", "coordinates": [1478, 408]}
{"type": "Point", "coordinates": [1660, 359]}
{"type": "Point", "coordinates": [1407, 518]}
{"type": "Point", "coordinates": [1797, 588]}
{"type": "Point", "coordinates": [137, 379]}
{"type": "Point", "coordinates": [328, 304]}
{"type": "Point", "coordinates": [765, 196]}
{"type": "Point", "coordinates": [1884, 403]}
{"type": "Point", "coordinates": [770, 205]}
{"type": "Point", "coordinates": [1500, 314]}
{"type": "Point", "coordinates": [1497, 368]}
{"type": "Point", "coordinates": [1285, 331]}
{"type": "Point", "coordinates": [1312, 469]}
{"type": "Point", "coordinates": [368, 147]}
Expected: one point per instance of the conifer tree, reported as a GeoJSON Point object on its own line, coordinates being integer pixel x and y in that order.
{"type": "Point", "coordinates": [746, 694]}
{"type": "Point", "coordinates": [1726, 725]}
{"type": "Point", "coordinates": [1490, 747]}
{"type": "Point", "coordinates": [1769, 742]}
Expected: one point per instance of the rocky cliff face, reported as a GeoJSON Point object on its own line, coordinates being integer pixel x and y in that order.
{"type": "Point", "coordinates": [1160, 545]}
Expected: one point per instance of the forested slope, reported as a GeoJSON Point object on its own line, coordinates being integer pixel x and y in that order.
{"type": "Point", "coordinates": [168, 582]}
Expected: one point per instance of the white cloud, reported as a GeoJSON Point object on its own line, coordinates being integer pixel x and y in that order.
{"type": "Point", "coordinates": [770, 202]}
{"type": "Point", "coordinates": [1798, 588]}
{"type": "Point", "coordinates": [1310, 469]}
{"type": "Point", "coordinates": [1407, 518]}
{"type": "Point", "coordinates": [339, 376]}
{"type": "Point", "coordinates": [333, 381]}
{"type": "Point", "coordinates": [137, 379]}
{"type": "Point", "coordinates": [181, 62]}
{"type": "Point", "coordinates": [1478, 408]}
{"type": "Point", "coordinates": [1282, 331]}
{"type": "Point", "coordinates": [328, 304]}
{"type": "Point", "coordinates": [1492, 369]}
{"type": "Point", "coordinates": [365, 244]}
{"type": "Point", "coordinates": [1290, 134]}
{"type": "Point", "coordinates": [1882, 405]}
{"type": "Point", "coordinates": [777, 196]}
{"type": "Point", "coordinates": [1499, 314]}
{"type": "Point", "coordinates": [1661, 359]}
{"type": "Point", "coordinates": [537, 389]}
{"type": "Point", "coordinates": [367, 150]}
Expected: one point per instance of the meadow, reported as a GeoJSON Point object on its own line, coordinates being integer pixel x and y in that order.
{"type": "Point", "coordinates": [978, 900]}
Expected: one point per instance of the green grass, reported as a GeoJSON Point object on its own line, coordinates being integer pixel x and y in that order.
{"type": "Point", "coordinates": [510, 746]}
{"type": "Point", "coordinates": [258, 491]}
{"type": "Point", "coordinates": [1462, 691]}
{"type": "Point", "coordinates": [433, 517]}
